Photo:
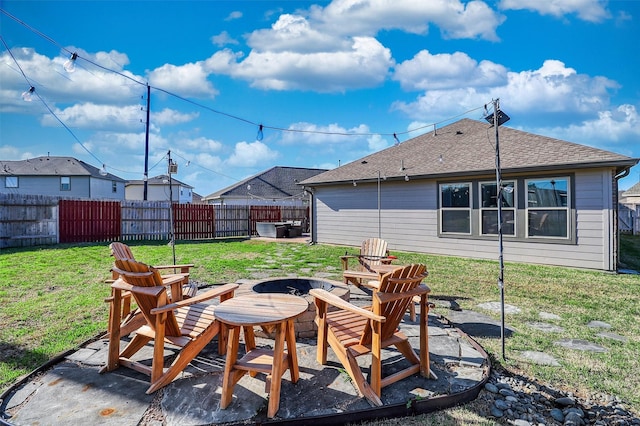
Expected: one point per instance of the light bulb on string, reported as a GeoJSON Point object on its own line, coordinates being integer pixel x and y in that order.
{"type": "Point", "coordinates": [103, 170]}
{"type": "Point", "coordinates": [70, 65]}
{"type": "Point", "coordinates": [28, 95]}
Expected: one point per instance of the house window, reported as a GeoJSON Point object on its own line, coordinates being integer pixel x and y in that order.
{"type": "Point", "coordinates": [489, 208]}
{"type": "Point", "coordinates": [65, 183]}
{"type": "Point", "coordinates": [455, 202]}
{"type": "Point", "coordinates": [11, 181]}
{"type": "Point", "coordinates": [548, 207]}
{"type": "Point", "coordinates": [114, 186]}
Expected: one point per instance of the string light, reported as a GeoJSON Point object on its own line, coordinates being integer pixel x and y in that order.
{"type": "Point", "coordinates": [70, 65]}
{"type": "Point", "coordinates": [27, 95]}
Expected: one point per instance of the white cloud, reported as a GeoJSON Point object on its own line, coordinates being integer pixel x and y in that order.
{"type": "Point", "coordinates": [364, 64]}
{"type": "Point", "coordinates": [621, 124]}
{"type": "Point", "coordinates": [426, 71]}
{"type": "Point", "coordinates": [234, 15]}
{"type": "Point", "coordinates": [553, 88]}
{"type": "Point", "coordinates": [587, 10]}
{"type": "Point", "coordinates": [455, 19]}
{"type": "Point", "coordinates": [223, 39]}
{"type": "Point", "coordinates": [187, 80]}
{"type": "Point", "coordinates": [201, 144]}
{"type": "Point", "coordinates": [332, 134]}
{"type": "Point", "coordinates": [333, 49]}
{"type": "Point", "coordinates": [170, 117]}
{"type": "Point", "coordinates": [295, 33]}
{"type": "Point", "coordinates": [251, 154]}
{"type": "Point", "coordinates": [97, 117]}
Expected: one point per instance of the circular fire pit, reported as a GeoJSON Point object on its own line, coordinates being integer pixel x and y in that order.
{"type": "Point", "coordinates": [304, 324]}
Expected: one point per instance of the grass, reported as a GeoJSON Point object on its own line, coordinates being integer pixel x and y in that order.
{"type": "Point", "coordinates": [52, 300]}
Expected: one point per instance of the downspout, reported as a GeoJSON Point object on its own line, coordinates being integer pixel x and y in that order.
{"type": "Point", "coordinates": [312, 216]}
{"type": "Point", "coordinates": [616, 230]}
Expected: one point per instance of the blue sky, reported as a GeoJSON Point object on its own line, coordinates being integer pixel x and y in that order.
{"type": "Point", "coordinates": [329, 81]}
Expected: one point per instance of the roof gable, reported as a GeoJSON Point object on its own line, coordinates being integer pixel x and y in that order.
{"type": "Point", "coordinates": [159, 180]}
{"type": "Point", "coordinates": [276, 182]}
{"type": "Point", "coordinates": [52, 166]}
{"type": "Point", "coordinates": [467, 147]}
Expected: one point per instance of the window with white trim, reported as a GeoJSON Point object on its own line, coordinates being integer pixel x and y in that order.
{"type": "Point", "coordinates": [548, 207]}
{"type": "Point", "coordinates": [455, 208]}
{"type": "Point", "coordinates": [489, 208]}
{"type": "Point", "coordinates": [65, 183]}
{"type": "Point", "coordinates": [11, 181]}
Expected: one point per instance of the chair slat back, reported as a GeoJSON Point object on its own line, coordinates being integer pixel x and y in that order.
{"type": "Point", "coordinates": [398, 281]}
{"type": "Point", "coordinates": [121, 251]}
{"type": "Point", "coordinates": [139, 275]}
{"type": "Point", "coordinates": [371, 252]}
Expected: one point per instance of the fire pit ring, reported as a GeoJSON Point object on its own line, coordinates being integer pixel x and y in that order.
{"type": "Point", "coordinates": [305, 325]}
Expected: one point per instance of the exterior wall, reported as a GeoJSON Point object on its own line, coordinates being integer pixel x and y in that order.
{"type": "Point", "coordinates": [103, 189]}
{"type": "Point", "coordinates": [409, 222]}
{"type": "Point", "coordinates": [49, 185]}
{"type": "Point", "coordinates": [159, 193]}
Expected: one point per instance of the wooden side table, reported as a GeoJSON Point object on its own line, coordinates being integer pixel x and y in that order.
{"type": "Point", "coordinates": [267, 310]}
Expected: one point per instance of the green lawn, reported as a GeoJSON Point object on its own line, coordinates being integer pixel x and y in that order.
{"type": "Point", "coordinates": [52, 300]}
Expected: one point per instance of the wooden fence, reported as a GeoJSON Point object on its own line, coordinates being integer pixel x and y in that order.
{"type": "Point", "coordinates": [36, 220]}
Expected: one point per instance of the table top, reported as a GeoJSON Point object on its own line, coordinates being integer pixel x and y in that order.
{"type": "Point", "coordinates": [260, 309]}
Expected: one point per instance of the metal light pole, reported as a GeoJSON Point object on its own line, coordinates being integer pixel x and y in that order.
{"type": "Point", "coordinates": [146, 145]}
{"type": "Point", "coordinates": [498, 118]}
{"type": "Point", "coordinates": [379, 218]}
{"type": "Point", "coordinates": [172, 168]}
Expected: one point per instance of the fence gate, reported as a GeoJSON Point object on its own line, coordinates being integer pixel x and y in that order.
{"type": "Point", "coordinates": [89, 221]}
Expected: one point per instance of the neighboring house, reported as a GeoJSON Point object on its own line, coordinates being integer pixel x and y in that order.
{"type": "Point", "coordinates": [158, 189]}
{"type": "Point", "coordinates": [631, 197]}
{"type": "Point", "coordinates": [436, 193]}
{"type": "Point", "coordinates": [277, 186]}
{"type": "Point", "coordinates": [629, 209]}
{"type": "Point", "coordinates": [64, 177]}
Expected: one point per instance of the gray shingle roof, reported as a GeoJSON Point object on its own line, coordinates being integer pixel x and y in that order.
{"type": "Point", "coordinates": [466, 148]}
{"type": "Point", "coordinates": [52, 166]}
{"type": "Point", "coordinates": [277, 182]}
{"type": "Point", "coordinates": [159, 180]}
{"type": "Point", "coordinates": [634, 190]}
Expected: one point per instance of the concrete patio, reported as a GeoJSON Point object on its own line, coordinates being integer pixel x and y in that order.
{"type": "Point", "coordinates": [71, 391]}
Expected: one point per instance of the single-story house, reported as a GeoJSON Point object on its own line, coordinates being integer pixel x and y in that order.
{"type": "Point", "coordinates": [631, 197]}
{"type": "Point", "coordinates": [277, 186]}
{"type": "Point", "coordinates": [437, 193]}
{"type": "Point", "coordinates": [158, 189]}
{"type": "Point", "coordinates": [65, 177]}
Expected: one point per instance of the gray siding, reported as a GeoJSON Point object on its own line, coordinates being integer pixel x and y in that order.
{"type": "Point", "coordinates": [50, 185]}
{"type": "Point", "coordinates": [409, 218]}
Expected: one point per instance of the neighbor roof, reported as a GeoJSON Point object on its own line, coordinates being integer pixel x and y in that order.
{"type": "Point", "coordinates": [277, 182]}
{"type": "Point", "coordinates": [467, 147]}
{"type": "Point", "coordinates": [52, 166]}
{"type": "Point", "coordinates": [634, 190]}
{"type": "Point", "coordinates": [159, 180]}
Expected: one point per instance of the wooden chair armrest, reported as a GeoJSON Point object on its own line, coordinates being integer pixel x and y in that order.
{"type": "Point", "coordinates": [390, 297]}
{"type": "Point", "coordinates": [152, 291]}
{"type": "Point", "coordinates": [334, 300]}
{"type": "Point", "coordinates": [215, 292]}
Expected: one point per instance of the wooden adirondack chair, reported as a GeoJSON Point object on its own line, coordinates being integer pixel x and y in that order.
{"type": "Point", "coordinates": [352, 331]}
{"type": "Point", "coordinates": [177, 283]}
{"type": "Point", "coordinates": [187, 324]}
{"type": "Point", "coordinates": [122, 251]}
{"type": "Point", "coordinates": [373, 251]}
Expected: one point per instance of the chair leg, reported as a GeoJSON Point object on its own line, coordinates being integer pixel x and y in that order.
{"type": "Point", "coordinates": [184, 357]}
